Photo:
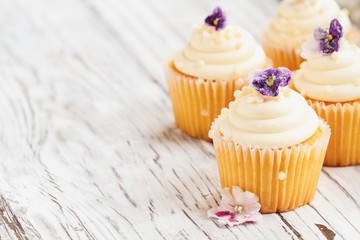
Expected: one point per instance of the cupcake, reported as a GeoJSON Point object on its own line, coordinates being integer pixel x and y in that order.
{"type": "Point", "coordinates": [292, 25]}
{"type": "Point", "coordinates": [330, 81]}
{"type": "Point", "coordinates": [270, 142]}
{"type": "Point", "coordinates": [203, 76]}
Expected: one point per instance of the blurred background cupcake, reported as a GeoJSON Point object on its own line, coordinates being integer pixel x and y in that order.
{"type": "Point", "coordinates": [353, 6]}
{"type": "Point", "coordinates": [330, 81]}
{"type": "Point", "coordinates": [294, 22]}
{"type": "Point", "coordinates": [271, 142]}
{"type": "Point", "coordinates": [203, 76]}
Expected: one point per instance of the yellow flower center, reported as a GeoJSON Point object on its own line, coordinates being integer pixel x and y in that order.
{"type": "Point", "coordinates": [330, 37]}
{"type": "Point", "coordinates": [238, 208]}
{"type": "Point", "coordinates": [215, 22]}
{"type": "Point", "coordinates": [270, 81]}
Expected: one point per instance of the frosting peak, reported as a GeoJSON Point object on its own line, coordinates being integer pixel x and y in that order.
{"type": "Point", "coordinates": [296, 19]}
{"type": "Point", "coordinates": [257, 120]}
{"type": "Point", "coordinates": [332, 78]}
{"type": "Point", "coordinates": [230, 53]}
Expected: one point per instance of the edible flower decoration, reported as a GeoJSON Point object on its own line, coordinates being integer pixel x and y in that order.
{"type": "Point", "coordinates": [236, 208]}
{"type": "Point", "coordinates": [267, 82]}
{"type": "Point", "coordinates": [217, 19]}
{"type": "Point", "coordinates": [323, 42]}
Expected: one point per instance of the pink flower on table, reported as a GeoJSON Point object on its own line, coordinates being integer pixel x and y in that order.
{"type": "Point", "coordinates": [236, 208]}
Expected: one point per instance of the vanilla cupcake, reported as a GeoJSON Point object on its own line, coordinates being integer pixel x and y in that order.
{"type": "Point", "coordinates": [292, 25]}
{"type": "Point", "coordinates": [330, 81]}
{"type": "Point", "coordinates": [270, 142]}
{"type": "Point", "coordinates": [203, 76]}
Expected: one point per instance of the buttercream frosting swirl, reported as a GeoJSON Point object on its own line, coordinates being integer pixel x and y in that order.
{"type": "Point", "coordinates": [230, 53]}
{"type": "Point", "coordinates": [296, 19]}
{"type": "Point", "coordinates": [332, 78]}
{"type": "Point", "coordinates": [257, 120]}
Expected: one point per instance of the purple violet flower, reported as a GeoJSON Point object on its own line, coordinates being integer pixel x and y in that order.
{"type": "Point", "coordinates": [324, 42]}
{"type": "Point", "coordinates": [217, 19]}
{"type": "Point", "coordinates": [267, 82]}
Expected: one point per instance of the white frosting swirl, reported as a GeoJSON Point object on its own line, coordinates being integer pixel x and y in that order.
{"type": "Point", "coordinates": [227, 54]}
{"type": "Point", "coordinates": [333, 78]}
{"type": "Point", "coordinates": [296, 20]}
{"type": "Point", "coordinates": [256, 120]}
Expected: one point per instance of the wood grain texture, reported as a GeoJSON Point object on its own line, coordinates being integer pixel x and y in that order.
{"type": "Point", "coordinates": [89, 149]}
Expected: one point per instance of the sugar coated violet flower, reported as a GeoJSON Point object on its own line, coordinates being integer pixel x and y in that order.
{"type": "Point", "coordinates": [323, 41]}
{"type": "Point", "coordinates": [267, 82]}
{"type": "Point", "coordinates": [217, 19]}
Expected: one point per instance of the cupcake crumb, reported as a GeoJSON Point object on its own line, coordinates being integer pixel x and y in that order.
{"type": "Point", "coordinates": [200, 63]}
{"type": "Point", "coordinates": [237, 93]}
{"type": "Point", "coordinates": [329, 89]}
{"type": "Point", "coordinates": [281, 175]}
{"type": "Point", "coordinates": [240, 81]}
{"type": "Point", "coordinates": [357, 82]}
{"type": "Point", "coordinates": [204, 112]}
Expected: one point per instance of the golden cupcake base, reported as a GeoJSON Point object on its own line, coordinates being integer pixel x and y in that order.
{"type": "Point", "coordinates": [344, 121]}
{"type": "Point", "coordinates": [282, 57]}
{"type": "Point", "coordinates": [283, 178]}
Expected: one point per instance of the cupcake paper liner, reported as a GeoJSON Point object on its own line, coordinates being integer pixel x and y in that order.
{"type": "Point", "coordinates": [196, 101]}
{"type": "Point", "coordinates": [344, 121]}
{"type": "Point", "coordinates": [281, 56]}
{"type": "Point", "coordinates": [283, 178]}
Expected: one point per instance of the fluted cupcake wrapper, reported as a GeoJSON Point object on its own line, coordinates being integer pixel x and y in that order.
{"type": "Point", "coordinates": [344, 121]}
{"type": "Point", "coordinates": [281, 56]}
{"type": "Point", "coordinates": [197, 102]}
{"type": "Point", "coordinates": [283, 178]}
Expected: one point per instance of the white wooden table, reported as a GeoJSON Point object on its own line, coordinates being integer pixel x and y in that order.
{"type": "Point", "coordinates": [88, 145]}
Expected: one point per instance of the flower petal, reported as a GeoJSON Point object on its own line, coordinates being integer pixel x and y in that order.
{"type": "Point", "coordinates": [251, 204]}
{"type": "Point", "coordinates": [225, 213]}
{"type": "Point", "coordinates": [226, 198]}
{"type": "Point", "coordinates": [284, 75]}
{"type": "Point", "coordinates": [237, 194]}
{"type": "Point", "coordinates": [254, 74]}
{"type": "Point", "coordinates": [311, 49]}
{"type": "Point", "coordinates": [215, 213]}
{"type": "Point", "coordinates": [243, 218]}
{"type": "Point", "coordinates": [319, 33]}
{"type": "Point", "coordinates": [336, 30]}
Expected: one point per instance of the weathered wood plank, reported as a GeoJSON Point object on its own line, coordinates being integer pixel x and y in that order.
{"type": "Point", "coordinates": [88, 146]}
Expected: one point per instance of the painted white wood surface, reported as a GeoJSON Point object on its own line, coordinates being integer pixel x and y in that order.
{"type": "Point", "coordinates": [88, 145]}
